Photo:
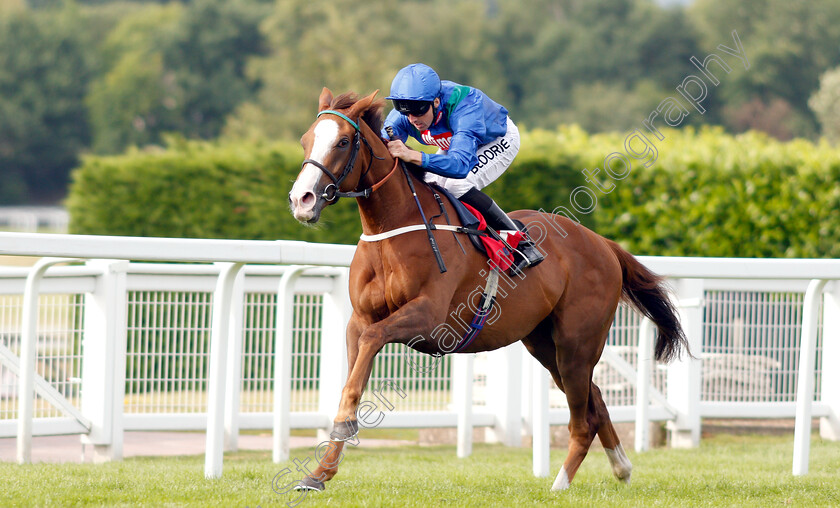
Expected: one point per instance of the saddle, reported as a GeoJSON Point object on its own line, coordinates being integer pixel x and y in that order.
{"type": "Point", "coordinates": [492, 244]}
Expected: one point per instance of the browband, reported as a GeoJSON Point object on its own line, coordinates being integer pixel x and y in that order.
{"type": "Point", "coordinates": [340, 114]}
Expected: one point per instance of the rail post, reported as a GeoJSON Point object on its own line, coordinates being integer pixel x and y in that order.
{"type": "Point", "coordinates": [504, 389]}
{"type": "Point", "coordinates": [684, 374]}
{"type": "Point", "coordinates": [233, 376]}
{"type": "Point", "coordinates": [462, 390]}
{"type": "Point", "coordinates": [219, 339]}
{"type": "Point", "coordinates": [333, 361]}
{"type": "Point", "coordinates": [28, 354]}
{"type": "Point", "coordinates": [103, 365]}
{"type": "Point", "coordinates": [805, 378]}
{"type": "Point", "coordinates": [644, 366]}
{"type": "Point", "coordinates": [283, 362]}
{"type": "Point", "coordinates": [539, 419]}
{"type": "Point", "coordinates": [830, 395]}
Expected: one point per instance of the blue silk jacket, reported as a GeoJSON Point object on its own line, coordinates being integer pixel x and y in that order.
{"type": "Point", "coordinates": [465, 120]}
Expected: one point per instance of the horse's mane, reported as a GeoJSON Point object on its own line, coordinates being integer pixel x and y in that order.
{"type": "Point", "coordinates": [373, 115]}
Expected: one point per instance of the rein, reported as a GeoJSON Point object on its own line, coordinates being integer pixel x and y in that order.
{"type": "Point", "coordinates": [332, 192]}
{"type": "Point", "coordinates": [428, 226]}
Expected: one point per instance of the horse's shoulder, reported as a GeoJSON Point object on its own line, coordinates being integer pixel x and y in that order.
{"type": "Point", "coordinates": [367, 286]}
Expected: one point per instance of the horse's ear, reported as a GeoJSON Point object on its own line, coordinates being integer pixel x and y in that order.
{"type": "Point", "coordinates": [325, 99]}
{"type": "Point", "coordinates": [362, 105]}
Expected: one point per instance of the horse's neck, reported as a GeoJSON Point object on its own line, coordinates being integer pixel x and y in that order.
{"type": "Point", "coordinates": [392, 205]}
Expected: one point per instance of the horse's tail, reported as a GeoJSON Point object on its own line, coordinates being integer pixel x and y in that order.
{"type": "Point", "coordinates": [646, 291]}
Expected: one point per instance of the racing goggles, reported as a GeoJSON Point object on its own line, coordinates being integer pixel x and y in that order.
{"type": "Point", "coordinates": [414, 108]}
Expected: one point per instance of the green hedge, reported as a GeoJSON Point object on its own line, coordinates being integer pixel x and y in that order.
{"type": "Point", "coordinates": [707, 194]}
{"type": "Point", "coordinates": [713, 194]}
{"type": "Point", "coordinates": [199, 190]}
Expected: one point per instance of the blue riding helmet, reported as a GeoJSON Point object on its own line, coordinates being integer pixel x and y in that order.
{"type": "Point", "coordinates": [416, 82]}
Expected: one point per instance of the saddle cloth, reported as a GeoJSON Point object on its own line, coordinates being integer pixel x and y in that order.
{"type": "Point", "coordinates": [499, 255]}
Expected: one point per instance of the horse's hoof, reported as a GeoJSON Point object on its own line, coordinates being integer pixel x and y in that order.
{"type": "Point", "coordinates": [344, 431]}
{"type": "Point", "coordinates": [621, 465]}
{"type": "Point", "coordinates": [309, 483]}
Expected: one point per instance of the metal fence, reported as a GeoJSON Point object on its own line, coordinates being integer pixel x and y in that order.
{"type": "Point", "coordinates": [746, 333]}
{"type": "Point", "coordinates": [34, 218]}
{"type": "Point", "coordinates": [751, 346]}
{"type": "Point", "coordinates": [750, 351]}
{"type": "Point", "coordinates": [168, 348]}
{"type": "Point", "coordinates": [59, 352]}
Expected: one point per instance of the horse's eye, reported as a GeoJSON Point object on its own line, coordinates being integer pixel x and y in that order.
{"type": "Point", "coordinates": [344, 142]}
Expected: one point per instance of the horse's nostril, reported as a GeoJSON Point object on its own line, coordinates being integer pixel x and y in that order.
{"type": "Point", "coordinates": [308, 199]}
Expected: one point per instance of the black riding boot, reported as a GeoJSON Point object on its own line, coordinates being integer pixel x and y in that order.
{"type": "Point", "coordinates": [497, 219]}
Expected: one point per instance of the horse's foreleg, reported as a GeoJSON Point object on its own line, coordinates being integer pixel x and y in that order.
{"type": "Point", "coordinates": [327, 467]}
{"type": "Point", "coordinates": [331, 457]}
{"type": "Point", "coordinates": [408, 321]}
{"type": "Point", "coordinates": [415, 317]}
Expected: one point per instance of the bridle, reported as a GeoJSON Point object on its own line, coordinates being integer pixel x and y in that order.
{"type": "Point", "coordinates": [331, 191]}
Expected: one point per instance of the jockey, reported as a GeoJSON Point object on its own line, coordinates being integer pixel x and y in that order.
{"type": "Point", "coordinates": [476, 141]}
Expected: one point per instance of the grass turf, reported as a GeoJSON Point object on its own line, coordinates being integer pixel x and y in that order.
{"type": "Point", "coordinates": [724, 471]}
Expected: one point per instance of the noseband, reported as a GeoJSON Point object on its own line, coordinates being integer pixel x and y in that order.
{"type": "Point", "coordinates": [331, 191]}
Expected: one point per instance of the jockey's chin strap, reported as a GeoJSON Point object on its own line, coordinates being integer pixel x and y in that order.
{"type": "Point", "coordinates": [332, 192]}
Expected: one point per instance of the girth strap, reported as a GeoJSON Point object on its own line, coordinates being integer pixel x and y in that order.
{"type": "Point", "coordinates": [488, 298]}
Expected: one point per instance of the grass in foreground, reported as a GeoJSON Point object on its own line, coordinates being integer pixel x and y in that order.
{"type": "Point", "coordinates": [724, 471]}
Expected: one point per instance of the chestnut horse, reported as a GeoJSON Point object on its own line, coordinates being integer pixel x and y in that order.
{"type": "Point", "coordinates": [561, 309]}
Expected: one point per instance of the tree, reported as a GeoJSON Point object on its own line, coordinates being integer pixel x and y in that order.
{"type": "Point", "coordinates": [44, 74]}
{"type": "Point", "coordinates": [134, 100]}
{"type": "Point", "coordinates": [825, 104]}
{"type": "Point", "coordinates": [603, 107]}
{"type": "Point", "coordinates": [342, 44]}
{"type": "Point", "coordinates": [456, 40]}
{"type": "Point", "coordinates": [207, 55]}
{"type": "Point", "coordinates": [8, 7]}
{"type": "Point", "coordinates": [554, 51]}
{"type": "Point", "coordinates": [789, 44]}
{"type": "Point", "coordinates": [175, 69]}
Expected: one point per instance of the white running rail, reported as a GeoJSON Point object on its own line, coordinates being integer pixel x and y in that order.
{"type": "Point", "coordinates": [755, 323]}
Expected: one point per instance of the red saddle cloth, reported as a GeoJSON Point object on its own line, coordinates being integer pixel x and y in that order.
{"type": "Point", "coordinates": [500, 256]}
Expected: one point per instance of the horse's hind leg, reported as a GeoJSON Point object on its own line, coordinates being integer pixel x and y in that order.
{"type": "Point", "coordinates": [541, 346]}
{"type": "Point", "coordinates": [621, 465]}
{"type": "Point", "coordinates": [576, 377]}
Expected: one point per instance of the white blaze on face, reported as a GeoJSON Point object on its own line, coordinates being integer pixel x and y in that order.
{"type": "Point", "coordinates": [326, 135]}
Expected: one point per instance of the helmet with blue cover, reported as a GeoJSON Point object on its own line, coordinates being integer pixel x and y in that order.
{"type": "Point", "coordinates": [414, 88]}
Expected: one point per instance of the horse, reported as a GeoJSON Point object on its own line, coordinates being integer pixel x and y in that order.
{"type": "Point", "coordinates": [561, 309]}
